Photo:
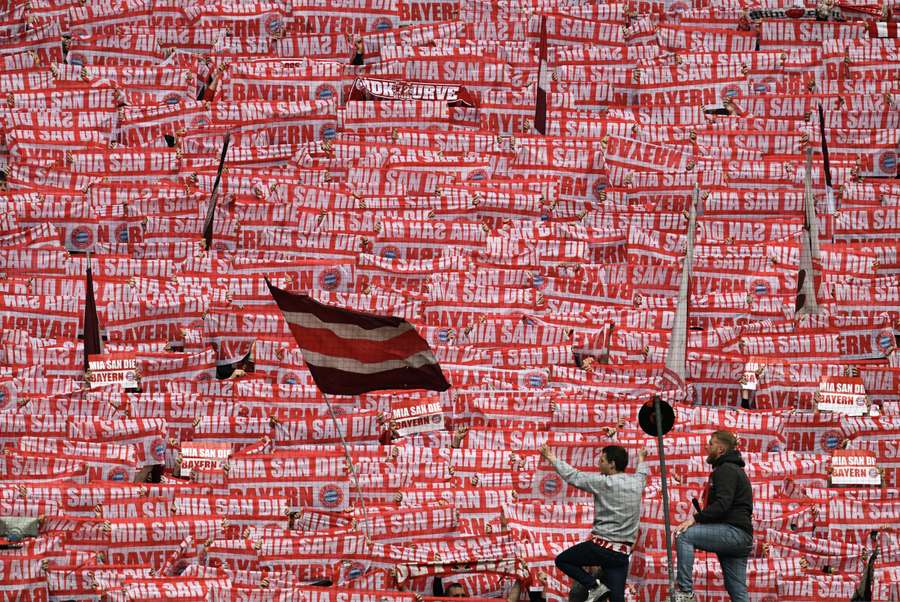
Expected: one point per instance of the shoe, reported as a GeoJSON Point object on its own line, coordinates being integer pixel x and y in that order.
{"type": "Point", "coordinates": [597, 593]}
{"type": "Point", "coordinates": [684, 596]}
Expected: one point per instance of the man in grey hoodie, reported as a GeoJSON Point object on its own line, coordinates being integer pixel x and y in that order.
{"type": "Point", "coordinates": [617, 512]}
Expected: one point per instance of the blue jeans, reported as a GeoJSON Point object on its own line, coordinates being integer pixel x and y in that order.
{"type": "Point", "coordinates": [587, 553]}
{"type": "Point", "coordinates": [730, 544]}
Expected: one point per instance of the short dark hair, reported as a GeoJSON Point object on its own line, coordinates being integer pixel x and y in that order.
{"type": "Point", "coordinates": [727, 438]}
{"type": "Point", "coordinates": [616, 454]}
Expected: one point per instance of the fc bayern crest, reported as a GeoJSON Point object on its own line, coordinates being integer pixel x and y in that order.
{"type": "Point", "coordinates": [355, 570]}
{"type": "Point", "coordinates": [390, 252]}
{"type": "Point", "coordinates": [82, 237]}
{"type": "Point", "coordinates": [830, 440]}
{"type": "Point", "coordinates": [7, 395]}
{"type": "Point", "coordinates": [759, 287]}
{"type": "Point", "coordinates": [331, 496]}
{"type": "Point", "coordinates": [677, 8]}
{"type": "Point", "coordinates": [121, 233]}
{"type": "Point", "coordinates": [172, 99]}
{"type": "Point", "coordinates": [77, 59]}
{"type": "Point", "coordinates": [551, 485]}
{"type": "Point", "coordinates": [330, 279]}
{"type": "Point", "coordinates": [887, 162]}
{"type": "Point", "coordinates": [382, 24]}
{"type": "Point", "coordinates": [477, 175]}
{"type": "Point", "coordinates": [731, 92]}
{"type": "Point", "coordinates": [274, 24]}
{"type": "Point", "coordinates": [325, 92]}
{"type": "Point", "coordinates": [537, 380]}
{"type": "Point", "coordinates": [885, 341]}
{"type": "Point", "coordinates": [158, 449]}
{"type": "Point", "coordinates": [539, 282]}
{"type": "Point", "coordinates": [328, 132]}
{"type": "Point", "coordinates": [118, 474]}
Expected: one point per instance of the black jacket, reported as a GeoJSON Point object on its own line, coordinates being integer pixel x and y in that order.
{"type": "Point", "coordinates": [730, 495]}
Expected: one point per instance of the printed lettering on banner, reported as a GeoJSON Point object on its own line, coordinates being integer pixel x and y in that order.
{"type": "Point", "coordinates": [203, 455]}
{"type": "Point", "coordinates": [854, 467]}
{"type": "Point", "coordinates": [118, 369]}
{"type": "Point", "coordinates": [399, 89]}
{"type": "Point", "coordinates": [842, 394]}
{"type": "Point", "coordinates": [409, 416]}
{"type": "Point", "coordinates": [753, 369]}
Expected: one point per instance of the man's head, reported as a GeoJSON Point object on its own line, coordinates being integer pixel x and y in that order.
{"type": "Point", "coordinates": [720, 442]}
{"type": "Point", "coordinates": [613, 459]}
{"type": "Point", "coordinates": [455, 590]}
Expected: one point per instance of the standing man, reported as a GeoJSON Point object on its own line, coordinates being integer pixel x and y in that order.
{"type": "Point", "coordinates": [617, 511]}
{"type": "Point", "coordinates": [723, 526]}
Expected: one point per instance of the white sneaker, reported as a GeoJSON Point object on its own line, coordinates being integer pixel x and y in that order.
{"type": "Point", "coordinates": [596, 593]}
{"type": "Point", "coordinates": [684, 596]}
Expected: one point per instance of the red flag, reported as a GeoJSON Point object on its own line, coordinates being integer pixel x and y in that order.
{"type": "Point", "coordinates": [540, 108]}
{"type": "Point", "coordinates": [829, 191]}
{"type": "Point", "coordinates": [213, 201]}
{"type": "Point", "coordinates": [92, 343]}
{"type": "Point", "coordinates": [350, 352]}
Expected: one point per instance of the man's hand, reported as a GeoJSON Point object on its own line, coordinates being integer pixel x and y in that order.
{"type": "Point", "coordinates": [684, 526]}
{"type": "Point", "coordinates": [642, 454]}
{"type": "Point", "coordinates": [548, 453]}
{"type": "Point", "coordinates": [458, 435]}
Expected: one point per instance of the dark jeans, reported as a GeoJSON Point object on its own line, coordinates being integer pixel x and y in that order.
{"type": "Point", "coordinates": [614, 564]}
{"type": "Point", "coordinates": [730, 544]}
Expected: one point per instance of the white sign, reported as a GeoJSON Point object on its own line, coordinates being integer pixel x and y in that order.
{"type": "Point", "coordinates": [752, 371]}
{"type": "Point", "coordinates": [842, 394]}
{"type": "Point", "coordinates": [854, 467]}
{"type": "Point", "coordinates": [119, 369]}
{"type": "Point", "coordinates": [207, 455]}
{"type": "Point", "coordinates": [417, 416]}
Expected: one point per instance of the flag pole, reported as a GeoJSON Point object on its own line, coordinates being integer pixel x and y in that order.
{"type": "Point", "coordinates": [656, 423]}
{"type": "Point", "coordinates": [809, 247]}
{"type": "Point", "coordinates": [398, 358]}
{"type": "Point", "coordinates": [676, 361]}
{"type": "Point", "coordinates": [214, 198]}
{"type": "Point", "coordinates": [657, 411]}
{"type": "Point", "coordinates": [355, 475]}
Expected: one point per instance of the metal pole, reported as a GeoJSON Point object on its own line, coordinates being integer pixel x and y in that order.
{"type": "Point", "coordinates": [355, 475]}
{"type": "Point", "coordinates": [665, 495]}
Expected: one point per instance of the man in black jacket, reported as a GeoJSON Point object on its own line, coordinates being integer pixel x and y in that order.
{"type": "Point", "coordinates": [723, 526]}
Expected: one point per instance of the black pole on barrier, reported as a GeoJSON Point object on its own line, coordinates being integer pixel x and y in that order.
{"type": "Point", "coordinates": [656, 419]}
